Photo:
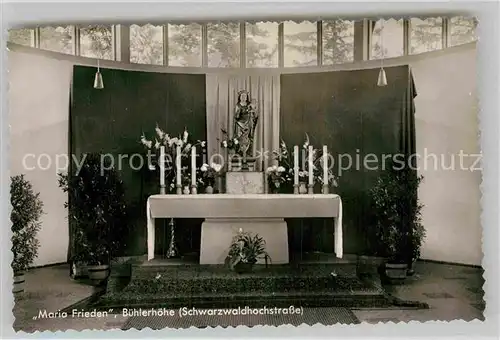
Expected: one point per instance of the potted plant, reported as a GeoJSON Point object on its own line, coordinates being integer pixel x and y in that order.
{"type": "Point", "coordinates": [416, 238]}
{"type": "Point", "coordinates": [245, 249]}
{"type": "Point", "coordinates": [398, 227]}
{"type": "Point", "coordinates": [27, 208]}
{"type": "Point", "coordinates": [97, 211]}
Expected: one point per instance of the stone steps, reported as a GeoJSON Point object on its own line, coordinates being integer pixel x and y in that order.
{"type": "Point", "coordinates": [311, 285]}
{"type": "Point", "coordinates": [195, 279]}
{"type": "Point", "coordinates": [349, 299]}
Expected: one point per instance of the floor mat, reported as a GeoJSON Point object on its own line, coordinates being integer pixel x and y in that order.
{"type": "Point", "coordinates": [228, 318]}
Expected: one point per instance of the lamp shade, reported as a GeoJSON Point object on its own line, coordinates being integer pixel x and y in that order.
{"type": "Point", "coordinates": [98, 83]}
{"type": "Point", "coordinates": [382, 79]}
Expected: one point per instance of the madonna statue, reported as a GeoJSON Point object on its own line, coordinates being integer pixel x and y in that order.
{"type": "Point", "coordinates": [245, 121]}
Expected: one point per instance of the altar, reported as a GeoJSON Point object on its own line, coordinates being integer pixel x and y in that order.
{"type": "Point", "coordinates": [245, 203]}
{"type": "Point", "coordinates": [225, 214]}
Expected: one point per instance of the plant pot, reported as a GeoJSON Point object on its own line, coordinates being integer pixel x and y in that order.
{"type": "Point", "coordinates": [242, 267]}
{"type": "Point", "coordinates": [209, 190]}
{"type": "Point", "coordinates": [365, 266]}
{"type": "Point", "coordinates": [273, 189]}
{"type": "Point", "coordinates": [18, 287]}
{"type": "Point", "coordinates": [98, 273]}
{"type": "Point", "coordinates": [411, 269]}
{"type": "Point", "coordinates": [186, 190]}
{"type": "Point", "coordinates": [77, 270]}
{"type": "Point", "coordinates": [394, 273]}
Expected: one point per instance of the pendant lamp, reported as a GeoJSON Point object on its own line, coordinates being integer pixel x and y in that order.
{"type": "Point", "coordinates": [382, 78]}
{"type": "Point", "coordinates": [98, 82]}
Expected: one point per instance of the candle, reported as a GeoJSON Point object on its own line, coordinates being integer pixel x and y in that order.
{"type": "Point", "coordinates": [178, 165]}
{"type": "Point", "coordinates": [193, 166]}
{"type": "Point", "coordinates": [325, 165]}
{"type": "Point", "coordinates": [162, 166]}
{"type": "Point", "coordinates": [311, 181]}
{"type": "Point", "coordinates": [296, 165]}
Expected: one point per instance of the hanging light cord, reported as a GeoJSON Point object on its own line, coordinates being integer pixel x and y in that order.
{"type": "Point", "coordinates": [98, 68]}
{"type": "Point", "coordinates": [382, 43]}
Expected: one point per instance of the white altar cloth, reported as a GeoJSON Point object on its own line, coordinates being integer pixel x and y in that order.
{"type": "Point", "coordinates": [245, 206]}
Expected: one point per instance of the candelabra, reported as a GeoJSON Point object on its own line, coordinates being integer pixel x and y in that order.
{"type": "Point", "coordinates": [172, 248]}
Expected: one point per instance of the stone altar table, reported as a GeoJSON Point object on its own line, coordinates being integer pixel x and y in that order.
{"type": "Point", "coordinates": [261, 213]}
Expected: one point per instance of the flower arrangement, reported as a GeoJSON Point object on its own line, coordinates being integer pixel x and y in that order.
{"type": "Point", "coordinates": [282, 155]}
{"type": "Point", "coordinates": [209, 173]}
{"type": "Point", "coordinates": [282, 173]}
{"type": "Point", "coordinates": [245, 249]}
{"type": "Point", "coordinates": [277, 175]}
{"type": "Point", "coordinates": [318, 175]}
{"type": "Point", "coordinates": [185, 179]}
{"type": "Point", "coordinates": [231, 144]}
{"type": "Point", "coordinates": [162, 138]}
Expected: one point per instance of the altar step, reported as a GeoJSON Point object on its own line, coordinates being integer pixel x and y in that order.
{"type": "Point", "coordinates": [349, 299]}
{"type": "Point", "coordinates": [306, 285]}
{"type": "Point", "coordinates": [196, 279]}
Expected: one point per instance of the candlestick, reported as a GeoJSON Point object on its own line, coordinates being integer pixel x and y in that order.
{"type": "Point", "coordinates": [162, 169]}
{"type": "Point", "coordinates": [311, 178]}
{"type": "Point", "coordinates": [193, 165]}
{"type": "Point", "coordinates": [193, 170]}
{"type": "Point", "coordinates": [325, 169]}
{"type": "Point", "coordinates": [179, 170]}
{"type": "Point", "coordinates": [296, 169]}
{"type": "Point", "coordinates": [172, 247]}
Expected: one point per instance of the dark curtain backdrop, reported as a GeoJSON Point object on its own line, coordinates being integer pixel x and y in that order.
{"type": "Point", "coordinates": [354, 117]}
{"type": "Point", "coordinates": [111, 120]}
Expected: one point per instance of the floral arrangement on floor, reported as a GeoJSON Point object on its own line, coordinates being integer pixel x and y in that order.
{"type": "Point", "coordinates": [161, 138]}
{"type": "Point", "coordinates": [245, 249]}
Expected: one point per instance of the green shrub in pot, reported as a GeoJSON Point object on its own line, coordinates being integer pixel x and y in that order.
{"type": "Point", "coordinates": [397, 219]}
{"type": "Point", "coordinates": [27, 209]}
{"type": "Point", "coordinates": [98, 214]}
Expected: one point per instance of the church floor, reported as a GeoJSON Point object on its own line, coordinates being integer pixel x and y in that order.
{"type": "Point", "coordinates": [452, 292]}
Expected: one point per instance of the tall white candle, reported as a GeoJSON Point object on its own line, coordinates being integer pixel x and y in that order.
{"type": "Point", "coordinates": [296, 165]}
{"type": "Point", "coordinates": [311, 181]}
{"type": "Point", "coordinates": [325, 165]}
{"type": "Point", "coordinates": [193, 166]}
{"type": "Point", "coordinates": [162, 166]}
{"type": "Point", "coordinates": [178, 165]}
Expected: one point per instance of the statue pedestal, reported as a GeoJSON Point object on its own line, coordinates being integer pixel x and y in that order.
{"type": "Point", "coordinates": [245, 182]}
{"type": "Point", "coordinates": [237, 165]}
